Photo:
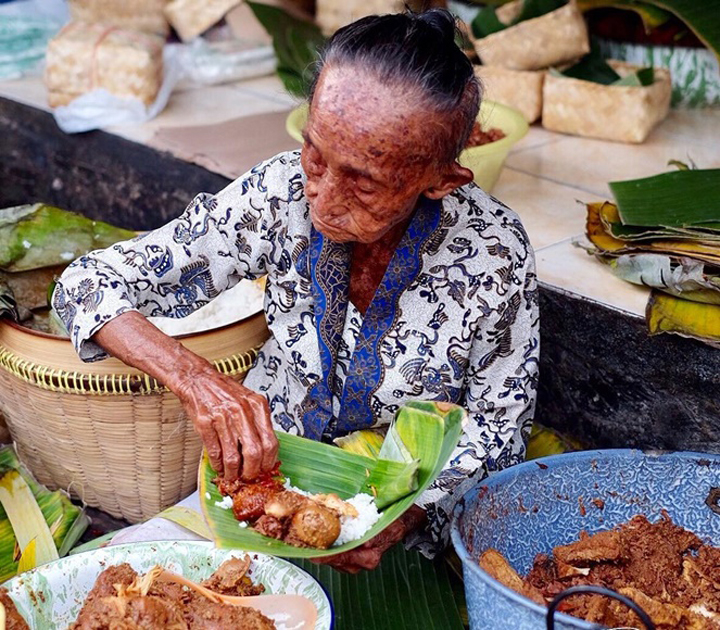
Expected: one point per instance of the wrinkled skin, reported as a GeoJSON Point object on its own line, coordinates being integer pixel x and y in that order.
{"type": "Point", "coordinates": [369, 156]}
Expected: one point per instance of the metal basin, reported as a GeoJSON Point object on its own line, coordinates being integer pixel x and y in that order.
{"type": "Point", "coordinates": [540, 504]}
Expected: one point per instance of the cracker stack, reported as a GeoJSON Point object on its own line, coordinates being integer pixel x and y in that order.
{"type": "Point", "coordinates": [85, 56]}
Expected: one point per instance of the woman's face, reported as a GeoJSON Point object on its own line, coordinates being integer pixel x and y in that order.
{"type": "Point", "coordinates": [367, 156]}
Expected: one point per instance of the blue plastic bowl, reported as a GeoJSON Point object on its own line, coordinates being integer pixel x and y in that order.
{"type": "Point", "coordinates": [543, 503]}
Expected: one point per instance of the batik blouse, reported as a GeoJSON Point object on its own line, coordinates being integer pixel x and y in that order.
{"type": "Point", "coordinates": [454, 319]}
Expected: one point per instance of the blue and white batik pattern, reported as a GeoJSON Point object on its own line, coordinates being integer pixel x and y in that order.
{"type": "Point", "coordinates": [454, 319]}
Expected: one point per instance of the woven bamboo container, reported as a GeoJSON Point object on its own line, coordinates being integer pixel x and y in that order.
{"type": "Point", "coordinates": [609, 112]}
{"type": "Point", "coordinates": [85, 56]}
{"type": "Point", "coordinates": [138, 15]}
{"type": "Point", "coordinates": [330, 15]}
{"type": "Point", "coordinates": [548, 40]}
{"type": "Point", "coordinates": [191, 18]}
{"type": "Point", "coordinates": [519, 89]}
{"type": "Point", "coordinates": [107, 433]}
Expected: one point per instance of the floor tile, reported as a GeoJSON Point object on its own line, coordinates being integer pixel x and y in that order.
{"type": "Point", "coordinates": [550, 212]}
{"type": "Point", "coordinates": [588, 164]}
{"type": "Point", "coordinates": [569, 268]}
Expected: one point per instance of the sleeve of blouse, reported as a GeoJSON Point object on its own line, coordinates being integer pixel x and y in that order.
{"type": "Point", "coordinates": [176, 269]}
{"type": "Point", "coordinates": [500, 400]}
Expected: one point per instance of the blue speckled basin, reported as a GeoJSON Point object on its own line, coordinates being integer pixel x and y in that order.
{"type": "Point", "coordinates": [537, 505]}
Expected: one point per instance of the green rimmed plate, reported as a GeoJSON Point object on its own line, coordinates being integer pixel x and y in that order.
{"type": "Point", "coordinates": [51, 596]}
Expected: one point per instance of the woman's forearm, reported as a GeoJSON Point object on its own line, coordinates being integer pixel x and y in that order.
{"type": "Point", "coordinates": [233, 421]}
{"type": "Point", "coordinates": [131, 338]}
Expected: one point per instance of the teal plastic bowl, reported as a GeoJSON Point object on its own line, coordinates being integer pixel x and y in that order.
{"type": "Point", "coordinates": [485, 161]}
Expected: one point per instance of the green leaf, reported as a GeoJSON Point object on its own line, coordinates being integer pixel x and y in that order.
{"type": "Point", "coordinates": [405, 592]}
{"type": "Point", "coordinates": [321, 468]}
{"type": "Point", "coordinates": [486, 22]}
{"type": "Point", "coordinates": [702, 16]}
{"type": "Point", "coordinates": [296, 44]}
{"type": "Point", "coordinates": [674, 199]}
{"type": "Point", "coordinates": [639, 78]}
{"type": "Point", "coordinates": [37, 236]}
{"type": "Point", "coordinates": [592, 67]}
{"type": "Point", "coordinates": [66, 521]}
{"type": "Point", "coordinates": [532, 9]}
{"type": "Point", "coordinates": [652, 16]}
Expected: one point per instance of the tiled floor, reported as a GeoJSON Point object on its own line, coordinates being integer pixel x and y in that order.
{"type": "Point", "coordinates": [547, 177]}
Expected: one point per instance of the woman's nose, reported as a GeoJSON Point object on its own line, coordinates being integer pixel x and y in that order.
{"type": "Point", "coordinates": [327, 193]}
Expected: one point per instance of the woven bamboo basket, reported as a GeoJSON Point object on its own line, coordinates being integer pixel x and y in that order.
{"type": "Point", "coordinates": [609, 112]}
{"type": "Point", "coordinates": [330, 15]}
{"type": "Point", "coordinates": [519, 89]}
{"type": "Point", "coordinates": [548, 40]}
{"type": "Point", "coordinates": [109, 434]}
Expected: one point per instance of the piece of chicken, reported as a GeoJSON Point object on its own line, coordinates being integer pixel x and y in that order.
{"type": "Point", "coordinates": [284, 504]}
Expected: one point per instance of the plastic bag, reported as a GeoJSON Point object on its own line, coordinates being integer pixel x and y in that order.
{"type": "Point", "coordinates": [100, 108]}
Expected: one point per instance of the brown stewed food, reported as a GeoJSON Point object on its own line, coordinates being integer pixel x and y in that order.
{"type": "Point", "coordinates": [667, 570]}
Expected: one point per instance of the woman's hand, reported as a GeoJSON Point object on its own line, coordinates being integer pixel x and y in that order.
{"type": "Point", "coordinates": [233, 423]}
{"type": "Point", "coordinates": [368, 555]}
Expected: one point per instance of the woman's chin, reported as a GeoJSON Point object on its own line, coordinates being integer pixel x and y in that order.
{"type": "Point", "coordinates": [335, 235]}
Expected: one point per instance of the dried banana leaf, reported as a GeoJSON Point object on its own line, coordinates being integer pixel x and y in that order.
{"type": "Point", "coordinates": [683, 277]}
{"type": "Point", "coordinates": [8, 304]}
{"type": "Point", "coordinates": [669, 314]}
{"type": "Point", "coordinates": [36, 236]}
{"type": "Point", "coordinates": [674, 199]}
{"type": "Point", "coordinates": [596, 228]}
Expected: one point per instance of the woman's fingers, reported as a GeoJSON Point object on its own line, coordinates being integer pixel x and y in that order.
{"type": "Point", "coordinates": [229, 443]}
{"type": "Point", "coordinates": [250, 443]}
{"type": "Point", "coordinates": [209, 437]}
{"type": "Point", "coordinates": [268, 439]}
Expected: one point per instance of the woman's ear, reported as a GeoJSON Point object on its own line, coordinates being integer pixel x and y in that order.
{"type": "Point", "coordinates": [453, 177]}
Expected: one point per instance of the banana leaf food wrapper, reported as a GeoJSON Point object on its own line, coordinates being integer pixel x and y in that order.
{"type": "Point", "coordinates": [415, 449]}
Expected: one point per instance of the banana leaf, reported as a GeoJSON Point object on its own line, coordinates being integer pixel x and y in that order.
{"type": "Point", "coordinates": [593, 67]}
{"type": "Point", "coordinates": [8, 303]}
{"type": "Point", "coordinates": [702, 16]}
{"type": "Point", "coordinates": [405, 592]}
{"type": "Point", "coordinates": [675, 199]}
{"type": "Point", "coordinates": [669, 314]}
{"type": "Point", "coordinates": [651, 16]}
{"type": "Point", "coordinates": [36, 236]}
{"type": "Point", "coordinates": [66, 521]}
{"type": "Point", "coordinates": [296, 43]}
{"type": "Point", "coordinates": [487, 21]}
{"type": "Point", "coordinates": [366, 442]}
{"type": "Point", "coordinates": [682, 277]}
{"type": "Point", "coordinates": [430, 431]}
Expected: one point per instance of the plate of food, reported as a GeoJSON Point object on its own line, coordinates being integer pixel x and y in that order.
{"type": "Point", "coordinates": [180, 585]}
{"type": "Point", "coordinates": [321, 499]}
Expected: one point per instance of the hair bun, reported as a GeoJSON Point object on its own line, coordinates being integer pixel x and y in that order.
{"type": "Point", "coordinates": [441, 20]}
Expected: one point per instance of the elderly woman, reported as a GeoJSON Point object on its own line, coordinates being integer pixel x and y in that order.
{"type": "Point", "coordinates": [390, 277]}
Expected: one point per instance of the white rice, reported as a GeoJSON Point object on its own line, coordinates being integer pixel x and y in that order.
{"type": "Point", "coordinates": [225, 504]}
{"type": "Point", "coordinates": [243, 300]}
{"type": "Point", "coordinates": [351, 527]}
